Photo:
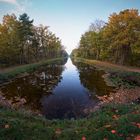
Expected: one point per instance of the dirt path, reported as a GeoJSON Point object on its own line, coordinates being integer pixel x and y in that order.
{"type": "Point", "coordinates": [112, 66]}
{"type": "Point", "coordinates": [12, 68]}
{"type": "Point", "coordinates": [126, 68]}
{"type": "Point", "coordinates": [3, 70]}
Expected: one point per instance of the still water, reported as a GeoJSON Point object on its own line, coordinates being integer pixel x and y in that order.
{"type": "Point", "coordinates": [59, 91]}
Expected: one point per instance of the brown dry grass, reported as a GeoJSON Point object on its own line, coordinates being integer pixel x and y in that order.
{"type": "Point", "coordinates": [112, 66]}
{"type": "Point", "coordinates": [122, 96]}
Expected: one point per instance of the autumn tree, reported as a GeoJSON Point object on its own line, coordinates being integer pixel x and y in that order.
{"type": "Point", "coordinates": [117, 41]}
{"type": "Point", "coordinates": [91, 42]}
{"type": "Point", "coordinates": [9, 40]}
{"type": "Point", "coordinates": [21, 42]}
{"type": "Point", "coordinates": [123, 33]}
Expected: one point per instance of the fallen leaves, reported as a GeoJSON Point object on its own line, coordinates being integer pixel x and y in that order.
{"type": "Point", "coordinates": [58, 131]}
{"type": "Point", "coordinates": [116, 117]}
{"type": "Point", "coordinates": [137, 138]}
{"type": "Point", "coordinates": [7, 126]}
{"type": "Point", "coordinates": [135, 112]}
{"type": "Point", "coordinates": [105, 139]}
{"type": "Point", "coordinates": [107, 126]}
{"type": "Point", "coordinates": [83, 138]}
{"type": "Point", "coordinates": [113, 131]}
{"type": "Point", "coordinates": [136, 124]}
{"type": "Point", "coordinates": [121, 96]}
{"type": "Point", "coordinates": [121, 135]}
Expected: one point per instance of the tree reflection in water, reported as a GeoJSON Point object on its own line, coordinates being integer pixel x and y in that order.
{"type": "Point", "coordinates": [92, 79]}
{"type": "Point", "coordinates": [58, 91]}
{"type": "Point", "coordinates": [31, 88]}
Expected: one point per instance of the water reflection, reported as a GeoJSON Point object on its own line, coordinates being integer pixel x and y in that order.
{"type": "Point", "coordinates": [59, 91]}
{"type": "Point", "coordinates": [69, 97]}
{"type": "Point", "coordinates": [32, 87]}
{"type": "Point", "coordinates": [91, 78]}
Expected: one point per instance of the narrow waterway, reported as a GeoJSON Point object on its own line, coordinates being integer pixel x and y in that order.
{"type": "Point", "coordinates": [60, 90]}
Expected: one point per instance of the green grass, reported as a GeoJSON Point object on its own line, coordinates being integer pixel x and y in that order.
{"type": "Point", "coordinates": [25, 126]}
{"type": "Point", "coordinates": [12, 73]}
{"type": "Point", "coordinates": [125, 79]}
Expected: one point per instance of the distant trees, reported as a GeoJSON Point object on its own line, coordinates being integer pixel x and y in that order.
{"type": "Point", "coordinates": [91, 43]}
{"type": "Point", "coordinates": [21, 42]}
{"type": "Point", "coordinates": [117, 41]}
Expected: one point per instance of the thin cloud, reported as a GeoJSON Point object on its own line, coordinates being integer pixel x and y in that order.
{"type": "Point", "coordinates": [10, 1]}
{"type": "Point", "coordinates": [20, 5]}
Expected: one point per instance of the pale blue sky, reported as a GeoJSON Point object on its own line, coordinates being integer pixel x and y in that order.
{"type": "Point", "coordinates": [67, 18]}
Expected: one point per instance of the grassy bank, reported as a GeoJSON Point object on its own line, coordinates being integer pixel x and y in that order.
{"type": "Point", "coordinates": [114, 122]}
{"type": "Point", "coordinates": [116, 75]}
{"type": "Point", "coordinates": [11, 73]}
{"type": "Point", "coordinates": [110, 122]}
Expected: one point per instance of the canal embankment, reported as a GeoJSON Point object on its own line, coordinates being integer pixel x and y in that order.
{"type": "Point", "coordinates": [126, 81]}
{"type": "Point", "coordinates": [7, 74]}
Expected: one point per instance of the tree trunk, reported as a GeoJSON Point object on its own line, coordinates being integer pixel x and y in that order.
{"type": "Point", "coordinates": [124, 55]}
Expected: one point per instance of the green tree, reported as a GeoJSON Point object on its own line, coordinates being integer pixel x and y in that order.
{"type": "Point", "coordinates": [25, 35]}
{"type": "Point", "coordinates": [91, 42]}
{"type": "Point", "coordinates": [21, 42]}
{"type": "Point", "coordinates": [117, 41]}
{"type": "Point", "coordinates": [123, 33]}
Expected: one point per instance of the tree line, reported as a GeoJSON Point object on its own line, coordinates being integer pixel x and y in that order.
{"type": "Point", "coordinates": [21, 42]}
{"type": "Point", "coordinates": [117, 41]}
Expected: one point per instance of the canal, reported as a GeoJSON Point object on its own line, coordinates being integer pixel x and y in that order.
{"type": "Point", "coordinates": [60, 90]}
